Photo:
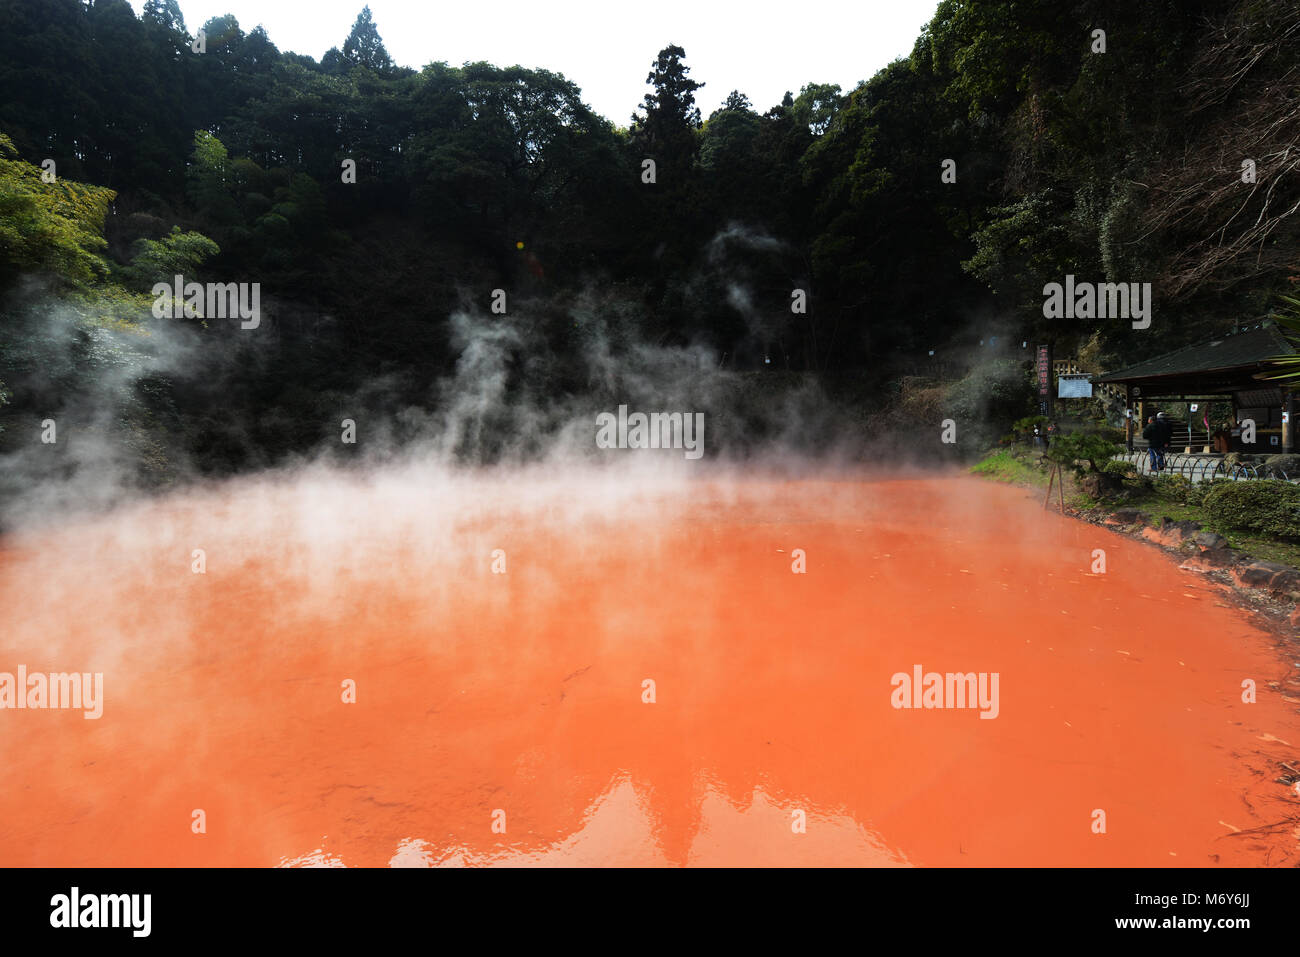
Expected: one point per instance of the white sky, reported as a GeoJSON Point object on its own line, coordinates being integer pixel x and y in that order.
{"type": "Point", "coordinates": [606, 47]}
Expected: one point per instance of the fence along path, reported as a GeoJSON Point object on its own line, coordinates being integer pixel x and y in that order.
{"type": "Point", "coordinates": [1203, 468]}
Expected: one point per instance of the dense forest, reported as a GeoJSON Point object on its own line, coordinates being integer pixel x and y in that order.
{"type": "Point", "coordinates": [816, 271]}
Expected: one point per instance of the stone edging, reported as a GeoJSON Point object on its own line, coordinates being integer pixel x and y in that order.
{"type": "Point", "coordinates": [1269, 589]}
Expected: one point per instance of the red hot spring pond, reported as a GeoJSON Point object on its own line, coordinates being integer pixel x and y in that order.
{"type": "Point", "coordinates": [643, 679]}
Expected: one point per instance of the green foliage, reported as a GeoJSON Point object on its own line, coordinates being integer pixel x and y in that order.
{"type": "Point", "coordinates": [1173, 488]}
{"type": "Point", "coordinates": [727, 142]}
{"type": "Point", "coordinates": [995, 391]}
{"type": "Point", "coordinates": [509, 150]}
{"type": "Point", "coordinates": [1028, 422]}
{"type": "Point", "coordinates": [108, 306]}
{"type": "Point", "coordinates": [1020, 247]}
{"type": "Point", "coordinates": [1080, 449]}
{"type": "Point", "coordinates": [363, 46]}
{"type": "Point", "coordinates": [667, 130]}
{"type": "Point", "coordinates": [1024, 428]}
{"type": "Point", "coordinates": [483, 176]}
{"type": "Point", "coordinates": [817, 105]}
{"type": "Point", "coordinates": [1005, 466]}
{"type": "Point", "coordinates": [994, 51]}
{"type": "Point", "coordinates": [49, 227]}
{"type": "Point", "coordinates": [672, 104]}
{"type": "Point", "coordinates": [211, 181]}
{"type": "Point", "coordinates": [159, 260]}
{"type": "Point", "coordinates": [1287, 315]}
{"type": "Point", "coordinates": [1196, 495]}
{"type": "Point", "coordinates": [1267, 506]}
{"type": "Point", "coordinates": [165, 13]}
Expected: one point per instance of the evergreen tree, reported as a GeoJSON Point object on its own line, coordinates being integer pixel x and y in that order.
{"type": "Point", "coordinates": [164, 13]}
{"type": "Point", "coordinates": [671, 116]}
{"type": "Point", "coordinates": [363, 46]}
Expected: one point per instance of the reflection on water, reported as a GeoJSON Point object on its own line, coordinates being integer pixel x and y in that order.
{"type": "Point", "coordinates": [316, 858]}
{"type": "Point", "coordinates": [618, 829]}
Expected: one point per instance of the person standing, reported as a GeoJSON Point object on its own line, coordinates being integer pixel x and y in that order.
{"type": "Point", "coordinates": [1166, 436]}
{"type": "Point", "coordinates": [1152, 434]}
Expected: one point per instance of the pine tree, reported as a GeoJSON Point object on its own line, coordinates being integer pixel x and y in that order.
{"type": "Point", "coordinates": [364, 47]}
{"type": "Point", "coordinates": [667, 131]}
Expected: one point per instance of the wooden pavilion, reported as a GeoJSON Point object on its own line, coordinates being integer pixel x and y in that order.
{"type": "Point", "coordinates": [1227, 368]}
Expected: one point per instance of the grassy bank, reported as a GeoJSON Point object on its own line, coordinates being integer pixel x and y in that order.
{"type": "Point", "coordinates": [1005, 465]}
{"type": "Point", "coordinates": [1158, 500]}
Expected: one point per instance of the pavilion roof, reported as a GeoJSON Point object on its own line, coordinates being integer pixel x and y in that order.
{"type": "Point", "coordinates": [1244, 350]}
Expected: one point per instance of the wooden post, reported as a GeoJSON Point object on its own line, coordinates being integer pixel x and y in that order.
{"type": "Point", "coordinates": [1055, 477]}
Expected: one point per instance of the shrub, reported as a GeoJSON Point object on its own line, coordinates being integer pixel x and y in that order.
{"type": "Point", "coordinates": [1026, 425]}
{"type": "Point", "coordinates": [1195, 495]}
{"type": "Point", "coordinates": [1119, 467]}
{"type": "Point", "coordinates": [1071, 450]}
{"type": "Point", "coordinates": [1286, 463]}
{"type": "Point", "coordinates": [990, 397]}
{"type": "Point", "coordinates": [1174, 488]}
{"type": "Point", "coordinates": [1268, 506]}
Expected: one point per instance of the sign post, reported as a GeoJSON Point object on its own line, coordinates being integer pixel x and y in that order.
{"type": "Point", "coordinates": [1044, 372]}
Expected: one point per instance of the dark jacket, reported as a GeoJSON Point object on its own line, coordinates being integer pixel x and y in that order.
{"type": "Point", "coordinates": [1158, 434]}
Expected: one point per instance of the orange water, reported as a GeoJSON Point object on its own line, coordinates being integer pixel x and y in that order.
{"type": "Point", "coordinates": [516, 699]}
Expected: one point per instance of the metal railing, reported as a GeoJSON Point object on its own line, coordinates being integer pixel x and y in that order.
{"type": "Point", "coordinates": [1199, 467]}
